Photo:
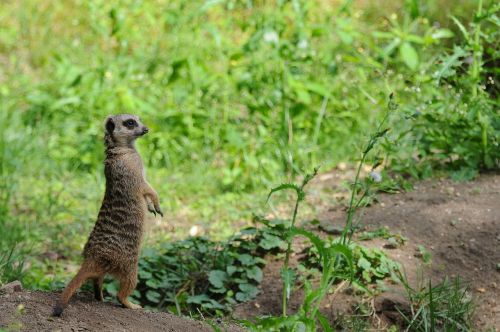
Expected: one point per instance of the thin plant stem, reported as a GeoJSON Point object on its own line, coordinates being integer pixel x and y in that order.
{"type": "Point", "coordinates": [287, 258]}
{"type": "Point", "coordinates": [347, 231]}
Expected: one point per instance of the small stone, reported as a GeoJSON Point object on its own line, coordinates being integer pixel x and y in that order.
{"type": "Point", "coordinates": [330, 229]}
{"type": "Point", "coordinates": [12, 287]}
{"type": "Point", "coordinates": [481, 289]}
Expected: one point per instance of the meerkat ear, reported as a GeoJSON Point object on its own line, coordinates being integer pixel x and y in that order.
{"type": "Point", "coordinates": [110, 125]}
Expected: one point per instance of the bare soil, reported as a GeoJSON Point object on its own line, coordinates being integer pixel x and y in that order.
{"type": "Point", "coordinates": [30, 311]}
{"type": "Point", "coordinates": [457, 223]}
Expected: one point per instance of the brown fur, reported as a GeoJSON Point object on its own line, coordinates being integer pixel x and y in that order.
{"type": "Point", "coordinates": [114, 243]}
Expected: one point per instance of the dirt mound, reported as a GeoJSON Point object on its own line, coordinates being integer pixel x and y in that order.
{"type": "Point", "coordinates": [30, 311]}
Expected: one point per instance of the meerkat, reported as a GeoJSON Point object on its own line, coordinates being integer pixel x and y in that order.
{"type": "Point", "coordinates": [114, 243]}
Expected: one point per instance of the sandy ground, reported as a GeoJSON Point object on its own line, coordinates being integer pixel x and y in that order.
{"type": "Point", "coordinates": [86, 314]}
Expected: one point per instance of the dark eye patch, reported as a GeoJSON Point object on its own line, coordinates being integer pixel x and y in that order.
{"type": "Point", "coordinates": [130, 123]}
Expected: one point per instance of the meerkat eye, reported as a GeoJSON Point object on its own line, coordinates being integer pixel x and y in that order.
{"type": "Point", "coordinates": [130, 123]}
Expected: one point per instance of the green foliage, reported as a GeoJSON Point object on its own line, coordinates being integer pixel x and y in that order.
{"type": "Point", "coordinates": [201, 274]}
{"type": "Point", "coordinates": [406, 37]}
{"type": "Point", "coordinates": [454, 117]}
{"type": "Point", "coordinates": [425, 254]}
{"type": "Point", "coordinates": [287, 274]}
{"type": "Point", "coordinates": [11, 264]}
{"type": "Point", "coordinates": [369, 264]}
{"type": "Point", "coordinates": [381, 232]}
{"type": "Point", "coordinates": [446, 306]}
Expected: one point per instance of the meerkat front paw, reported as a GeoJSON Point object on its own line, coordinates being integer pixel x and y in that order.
{"type": "Point", "coordinates": [151, 207]}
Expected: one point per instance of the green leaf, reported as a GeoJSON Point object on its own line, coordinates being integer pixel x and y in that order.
{"type": "Point", "coordinates": [246, 259]}
{"type": "Point", "coordinates": [461, 27]}
{"type": "Point", "coordinates": [198, 299]}
{"type": "Point", "coordinates": [230, 269]}
{"type": "Point", "coordinates": [409, 55]}
{"type": "Point", "coordinates": [317, 88]}
{"type": "Point", "coordinates": [270, 241]}
{"type": "Point", "coordinates": [442, 33]}
{"type": "Point", "coordinates": [287, 186]}
{"type": "Point", "coordinates": [217, 278]}
{"type": "Point", "coordinates": [288, 277]}
{"type": "Point", "coordinates": [450, 63]}
{"type": "Point", "coordinates": [383, 35]}
{"type": "Point", "coordinates": [152, 283]}
{"type": "Point", "coordinates": [364, 263]}
{"type": "Point", "coordinates": [112, 288]}
{"type": "Point", "coordinates": [323, 321]}
{"type": "Point", "coordinates": [153, 296]}
{"type": "Point", "coordinates": [255, 273]}
{"type": "Point", "coordinates": [145, 274]}
{"type": "Point", "coordinates": [248, 292]}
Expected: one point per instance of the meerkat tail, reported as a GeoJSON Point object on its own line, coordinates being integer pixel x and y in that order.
{"type": "Point", "coordinates": [85, 273]}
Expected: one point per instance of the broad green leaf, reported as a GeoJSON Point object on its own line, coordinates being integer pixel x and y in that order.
{"type": "Point", "coordinates": [153, 296]}
{"type": "Point", "coordinates": [409, 55]}
{"type": "Point", "coordinates": [269, 241]}
{"type": "Point", "coordinates": [255, 273]}
{"type": "Point", "coordinates": [198, 299]}
{"type": "Point", "coordinates": [230, 269]}
{"type": "Point", "coordinates": [364, 264]}
{"type": "Point", "coordinates": [145, 274]}
{"type": "Point", "coordinates": [245, 259]}
{"type": "Point", "coordinates": [248, 292]}
{"type": "Point", "coordinates": [217, 278]}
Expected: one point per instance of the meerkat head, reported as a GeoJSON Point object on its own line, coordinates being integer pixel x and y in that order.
{"type": "Point", "coordinates": [124, 129]}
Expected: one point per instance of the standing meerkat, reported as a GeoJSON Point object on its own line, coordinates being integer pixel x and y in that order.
{"type": "Point", "coordinates": [114, 243]}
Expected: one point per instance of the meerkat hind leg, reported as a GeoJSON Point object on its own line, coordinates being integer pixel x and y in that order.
{"type": "Point", "coordinates": [98, 288]}
{"type": "Point", "coordinates": [127, 286]}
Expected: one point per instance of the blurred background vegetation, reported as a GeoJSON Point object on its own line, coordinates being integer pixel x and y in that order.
{"type": "Point", "coordinates": [239, 95]}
